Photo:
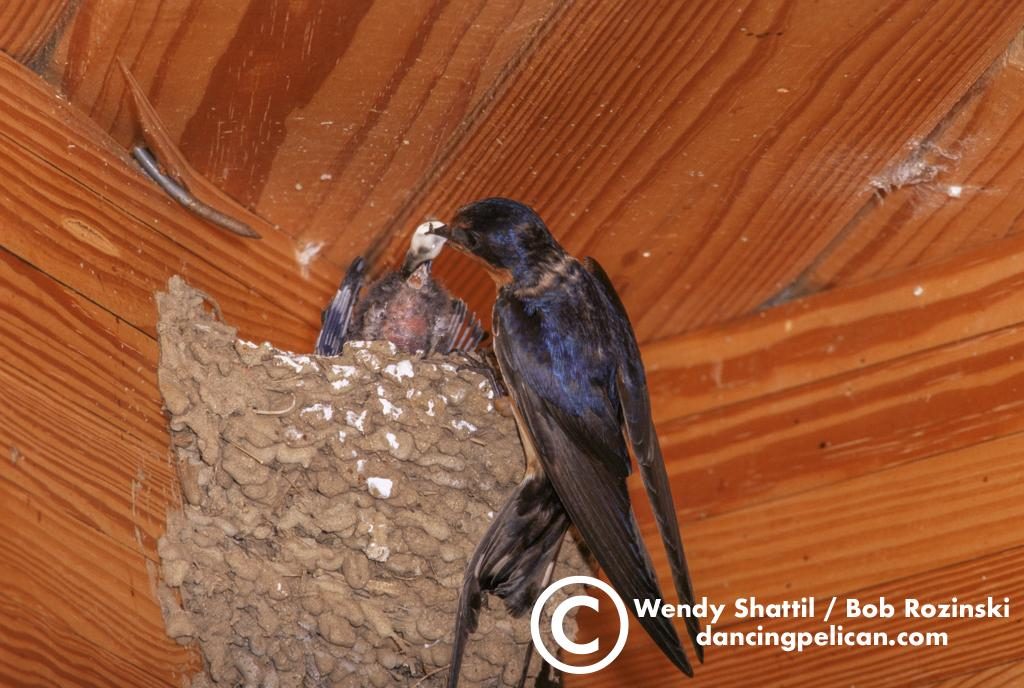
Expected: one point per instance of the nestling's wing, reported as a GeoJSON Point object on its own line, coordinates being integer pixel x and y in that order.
{"type": "Point", "coordinates": [462, 332]}
{"type": "Point", "coordinates": [572, 418]}
{"type": "Point", "coordinates": [514, 559]}
{"type": "Point", "coordinates": [631, 384]}
{"type": "Point", "coordinates": [335, 318]}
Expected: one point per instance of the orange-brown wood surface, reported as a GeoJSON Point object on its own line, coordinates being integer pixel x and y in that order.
{"type": "Point", "coordinates": [812, 211]}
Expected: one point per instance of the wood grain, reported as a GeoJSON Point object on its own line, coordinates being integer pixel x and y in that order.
{"type": "Point", "coordinates": [967, 190]}
{"type": "Point", "coordinates": [108, 232]}
{"type": "Point", "coordinates": [28, 28]}
{"type": "Point", "coordinates": [78, 372]}
{"type": "Point", "coordinates": [999, 676]}
{"type": "Point", "coordinates": [97, 601]}
{"type": "Point", "coordinates": [901, 532]}
{"type": "Point", "coordinates": [864, 441]}
{"type": "Point", "coordinates": [837, 332]}
{"type": "Point", "coordinates": [706, 153]}
{"type": "Point", "coordinates": [899, 411]}
{"type": "Point", "coordinates": [322, 115]}
{"type": "Point", "coordinates": [974, 645]}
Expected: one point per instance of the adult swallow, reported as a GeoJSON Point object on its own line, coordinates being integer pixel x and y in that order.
{"type": "Point", "coordinates": [406, 307]}
{"type": "Point", "coordinates": [569, 357]}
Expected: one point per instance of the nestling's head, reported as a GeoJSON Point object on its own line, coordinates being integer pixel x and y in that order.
{"type": "Point", "coordinates": [423, 247]}
{"type": "Point", "coordinates": [506, 234]}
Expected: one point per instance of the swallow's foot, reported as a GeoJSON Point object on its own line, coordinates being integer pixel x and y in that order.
{"type": "Point", "coordinates": [476, 362]}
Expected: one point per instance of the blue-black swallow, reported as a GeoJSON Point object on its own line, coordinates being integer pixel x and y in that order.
{"type": "Point", "coordinates": [407, 307]}
{"type": "Point", "coordinates": [569, 357]}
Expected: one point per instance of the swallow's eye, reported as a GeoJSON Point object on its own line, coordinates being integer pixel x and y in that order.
{"type": "Point", "coordinates": [470, 240]}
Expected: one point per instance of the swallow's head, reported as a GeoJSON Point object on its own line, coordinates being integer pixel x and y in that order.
{"type": "Point", "coordinates": [505, 234]}
{"type": "Point", "coordinates": [424, 247]}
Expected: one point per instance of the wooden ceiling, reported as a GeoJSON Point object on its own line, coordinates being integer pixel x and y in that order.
{"type": "Point", "coordinates": [713, 156]}
{"type": "Point", "coordinates": [810, 209]}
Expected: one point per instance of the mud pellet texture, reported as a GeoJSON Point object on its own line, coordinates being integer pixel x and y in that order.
{"type": "Point", "coordinates": [329, 506]}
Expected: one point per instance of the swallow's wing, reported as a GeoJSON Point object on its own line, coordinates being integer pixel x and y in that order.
{"type": "Point", "coordinates": [631, 384]}
{"type": "Point", "coordinates": [571, 418]}
{"type": "Point", "coordinates": [335, 318]}
{"type": "Point", "coordinates": [514, 560]}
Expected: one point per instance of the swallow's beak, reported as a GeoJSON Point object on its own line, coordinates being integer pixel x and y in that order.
{"type": "Point", "coordinates": [440, 229]}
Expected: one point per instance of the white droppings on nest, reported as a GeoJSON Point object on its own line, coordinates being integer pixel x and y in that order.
{"type": "Point", "coordinates": [354, 421]}
{"type": "Point", "coordinates": [293, 434]}
{"type": "Point", "coordinates": [392, 439]}
{"type": "Point", "coordinates": [304, 256]}
{"type": "Point", "coordinates": [464, 425]}
{"type": "Point", "coordinates": [360, 465]}
{"type": "Point", "coordinates": [379, 487]}
{"type": "Point", "coordinates": [389, 348]}
{"type": "Point", "coordinates": [325, 410]}
{"type": "Point", "coordinates": [430, 407]}
{"type": "Point", "coordinates": [345, 370]}
{"type": "Point", "coordinates": [342, 435]}
{"type": "Point", "coordinates": [376, 552]}
{"type": "Point", "coordinates": [389, 409]}
{"type": "Point", "coordinates": [295, 361]}
{"type": "Point", "coordinates": [368, 359]}
{"type": "Point", "coordinates": [399, 370]}
{"type": "Point", "coordinates": [485, 387]}
{"type": "Point", "coordinates": [246, 343]}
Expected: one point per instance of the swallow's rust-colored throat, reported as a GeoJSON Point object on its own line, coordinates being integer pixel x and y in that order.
{"type": "Point", "coordinates": [500, 276]}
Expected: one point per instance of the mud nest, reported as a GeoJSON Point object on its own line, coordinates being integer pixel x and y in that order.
{"type": "Point", "coordinates": [329, 506]}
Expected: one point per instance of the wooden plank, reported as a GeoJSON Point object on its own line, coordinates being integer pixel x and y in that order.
{"type": "Point", "coordinates": [974, 645]}
{"type": "Point", "coordinates": [75, 203]}
{"type": "Point", "coordinates": [962, 188]}
{"type": "Point", "coordinates": [93, 594]}
{"type": "Point", "coordinates": [91, 377]}
{"type": "Point", "coordinates": [723, 145]}
{"type": "Point", "coordinates": [898, 527]}
{"type": "Point", "coordinates": [106, 368]}
{"type": "Point", "coordinates": [837, 332]}
{"type": "Point", "coordinates": [894, 413]}
{"type": "Point", "coordinates": [330, 149]}
{"type": "Point", "coordinates": [1005, 675]}
{"type": "Point", "coordinates": [84, 486]}
{"type": "Point", "coordinates": [948, 508]}
{"type": "Point", "coordinates": [49, 652]}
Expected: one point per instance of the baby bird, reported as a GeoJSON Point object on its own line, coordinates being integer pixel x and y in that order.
{"type": "Point", "coordinates": [407, 307]}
